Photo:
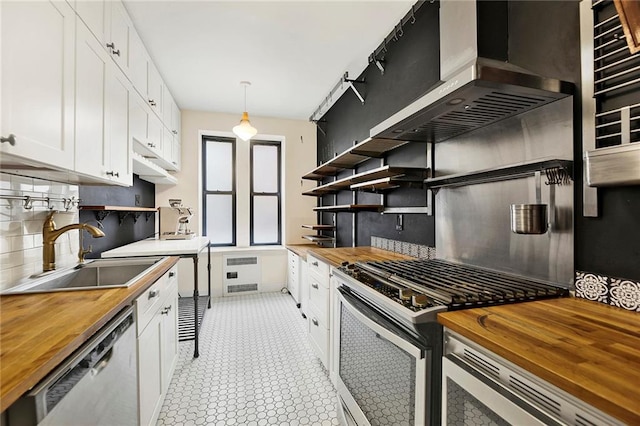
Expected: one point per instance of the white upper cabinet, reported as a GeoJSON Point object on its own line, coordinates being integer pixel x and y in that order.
{"type": "Point", "coordinates": [94, 14]}
{"type": "Point", "coordinates": [155, 90]}
{"type": "Point", "coordinates": [103, 148]}
{"type": "Point", "coordinates": [121, 30]}
{"type": "Point", "coordinates": [37, 48]}
{"type": "Point", "coordinates": [139, 65]}
{"type": "Point", "coordinates": [119, 96]}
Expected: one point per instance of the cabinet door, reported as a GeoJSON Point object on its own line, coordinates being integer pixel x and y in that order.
{"type": "Point", "coordinates": [167, 148]}
{"type": "Point", "coordinates": [119, 140]}
{"type": "Point", "coordinates": [91, 155]}
{"type": "Point", "coordinates": [138, 120]}
{"type": "Point", "coordinates": [94, 14]}
{"type": "Point", "coordinates": [177, 154]}
{"type": "Point", "coordinates": [167, 109]}
{"type": "Point", "coordinates": [150, 371]}
{"type": "Point", "coordinates": [155, 89]}
{"type": "Point", "coordinates": [37, 51]}
{"type": "Point", "coordinates": [121, 29]}
{"type": "Point", "coordinates": [138, 64]}
{"type": "Point", "coordinates": [169, 337]}
{"type": "Point", "coordinates": [156, 134]}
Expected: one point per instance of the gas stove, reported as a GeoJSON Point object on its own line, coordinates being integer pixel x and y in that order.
{"type": "Point", "coordinates": [416, 290]}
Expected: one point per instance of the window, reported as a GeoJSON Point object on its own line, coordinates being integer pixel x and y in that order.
{"type": "Point", "coordinates": [266, 222]}
{"type": "Point", "coordinates": [219, 194]}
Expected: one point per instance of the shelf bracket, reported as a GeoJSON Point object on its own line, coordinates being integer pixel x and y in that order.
{"type": "Point", "coordinates": [350, 83]}
{"type": "Point", "coordinates": [317, 123]}
{"type": "Point", "coordinates": [122, 216]}
{"type": "Point", "coordinates": [148, 215]}
{"type": "Point", "coordinates": [101, 215]}
{"type": "Point", "coordinates": [136, 216]}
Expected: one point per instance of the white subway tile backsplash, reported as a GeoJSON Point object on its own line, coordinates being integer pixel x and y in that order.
{"type": "Point", "coordinates": [11, 229]}
{"type": "Point", "coordinates": [23, 242]}
{"type": "Point", "coordinates": [11, 259]}
{"type": "Point", "coordinates": [21, 183]}
{"type": "Point", "coordinates": [32, 226]}
{"type": "Point", "coordinates": [21, 229]}
{"type": "Point", "coordinates": [5, 244]}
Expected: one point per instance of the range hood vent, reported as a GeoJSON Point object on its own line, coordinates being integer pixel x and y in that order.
{"type": "Point", "coordinates": [475, 91]}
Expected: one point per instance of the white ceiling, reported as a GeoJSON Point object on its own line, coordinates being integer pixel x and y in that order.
{"type": "Point", "coordinates": [293, 52]}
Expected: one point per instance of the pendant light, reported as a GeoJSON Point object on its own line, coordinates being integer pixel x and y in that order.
{"type": "Point", "coordinates": [245, 130]}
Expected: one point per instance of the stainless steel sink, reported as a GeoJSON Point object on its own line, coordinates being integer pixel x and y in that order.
{"type": "Point", "coordinates": [94, 274]}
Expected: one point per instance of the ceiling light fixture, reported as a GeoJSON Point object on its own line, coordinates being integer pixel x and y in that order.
{"type": "Point", "coordinates": [245, 130]}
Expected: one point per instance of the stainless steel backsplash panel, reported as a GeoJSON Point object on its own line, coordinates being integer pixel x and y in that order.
{"type": "Point", "coordinates": [472, 222]}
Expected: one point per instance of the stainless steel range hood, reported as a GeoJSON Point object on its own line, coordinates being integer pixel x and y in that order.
{"type": "Point", "coordinates": [474, 91]}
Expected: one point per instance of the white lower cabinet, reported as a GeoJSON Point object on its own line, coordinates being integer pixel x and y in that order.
{"type": "Point", "coordinates": [318, 278]}
{"type": "Point", "coordinates": [157, 313]}
{"type": "Point", "coordinates": [293, 276]}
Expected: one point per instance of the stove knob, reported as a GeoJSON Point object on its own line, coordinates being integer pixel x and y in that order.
{"type": "Point", "coordinates": [405, 294]}
{"type": "Point", "coordinates": [419, 301]}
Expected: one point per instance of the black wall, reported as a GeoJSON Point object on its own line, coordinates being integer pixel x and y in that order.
{"type": "Point", "coordinates": [411, 69]}
{"type": "Point", "coordinates": [539, 31]}
{"type": "Point", "coordinates": [117, 234]}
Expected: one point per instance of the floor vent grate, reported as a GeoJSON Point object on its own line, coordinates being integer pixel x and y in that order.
{"type": "Point", "coordinates": [240, 288]}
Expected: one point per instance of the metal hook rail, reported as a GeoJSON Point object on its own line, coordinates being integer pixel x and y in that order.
{"type": "Point", "coordinates": [28, 200]}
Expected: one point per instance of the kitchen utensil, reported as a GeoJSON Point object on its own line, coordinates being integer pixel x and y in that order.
{"type": "Point", "coordinates": [530, 218]}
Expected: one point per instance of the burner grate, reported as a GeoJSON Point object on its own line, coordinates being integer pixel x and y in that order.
{"type": "Point", "coordinates": [462, 286]}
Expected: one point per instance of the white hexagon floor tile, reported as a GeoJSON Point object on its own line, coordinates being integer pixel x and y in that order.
{"type": "Point", "coordinates": [256, 367]}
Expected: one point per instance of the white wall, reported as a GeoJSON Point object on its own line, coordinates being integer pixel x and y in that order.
{"type": "Point", "coordinates": [21, 229]}
{"type": "Point", "coordinates": [299, 157]}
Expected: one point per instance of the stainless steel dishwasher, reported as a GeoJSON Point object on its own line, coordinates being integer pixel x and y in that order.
{"type": "Point", "coordinates": [96, 385]}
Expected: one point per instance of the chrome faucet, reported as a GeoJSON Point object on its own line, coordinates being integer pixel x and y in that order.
{"type": "Point", "coordinates": [50, 234]}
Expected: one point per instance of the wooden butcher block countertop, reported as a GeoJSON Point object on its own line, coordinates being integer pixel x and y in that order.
{"type": "Point", "coordinates": [38, 331]}
{"type": "Point", "coordinates": [335, 256]}
{"type": "Point", "coordinates": [588, 349]}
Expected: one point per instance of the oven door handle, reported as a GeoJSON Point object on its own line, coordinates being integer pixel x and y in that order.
{"type": "Point", "coordinates": [414, 351]}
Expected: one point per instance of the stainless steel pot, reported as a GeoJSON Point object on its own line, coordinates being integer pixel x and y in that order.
{"type": "Point", "coordinates": [529, 218]}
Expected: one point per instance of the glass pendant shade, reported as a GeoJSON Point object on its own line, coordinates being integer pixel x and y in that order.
{"type": "Point", "coordinates": [245, 130]}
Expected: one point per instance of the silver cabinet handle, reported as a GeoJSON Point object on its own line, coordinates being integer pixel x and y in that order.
{"type": "Point", "coordinates": [152, 102]}
{"type": "Point", "coordinates": [166, 310]}
{"type": "Point", "coordinates": [153, 293]}
{"type": "Point", "coordinates": [314, 321]}
{"type": "Point", "coordinates": [172, 274]}
{"type": "Point", "coordinates": [174, 163]}
{"type": "Point", "coordinates": [11, 139]}
{"type": "Point", "coordinates": [314, 285]}
{"type": "Point", "coordinates": [116, 52]}
{"type": "Point", "coordinates": [111, 45]}
{"type": "Point", "coordinates": [113, 174]}
{"type": "Point", "coordinates": [314, 263]}
{"type": "Point", "coordinates": [151, 145]}
{"type": "Point", "coordinates": [175, 132]}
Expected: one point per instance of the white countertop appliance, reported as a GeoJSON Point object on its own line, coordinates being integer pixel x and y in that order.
{"type": "Point", "coordinates": [174, 221]}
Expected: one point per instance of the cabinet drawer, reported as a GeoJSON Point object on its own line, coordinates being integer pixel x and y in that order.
{"type": "Point", "coordinates": [318, 266]}
{"type": "Point", "coordinates": [319, 338]}
{"type": "Point", "coordinates": [319, 298]}
{"type": "Point", "coordinates": [148, 303]}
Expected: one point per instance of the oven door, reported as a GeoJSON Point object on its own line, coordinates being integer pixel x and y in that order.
{"type": "Point", "coordinates": [471, 398]}
{"type": "Point", "coordinates": [382, 371]}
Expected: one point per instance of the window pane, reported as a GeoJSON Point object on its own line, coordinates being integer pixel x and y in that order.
{"type": "Point", "coordinates": [219, 210]}
{"type": "Point", "coordinates": [265, 219]}
{"type": "Point", "coordinates": [265, 168]}
{"type": "Point", "coordinates": [219, 166]}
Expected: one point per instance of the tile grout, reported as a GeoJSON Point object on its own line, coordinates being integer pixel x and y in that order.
{"type": "Point", "coordinates": [256, 367]}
